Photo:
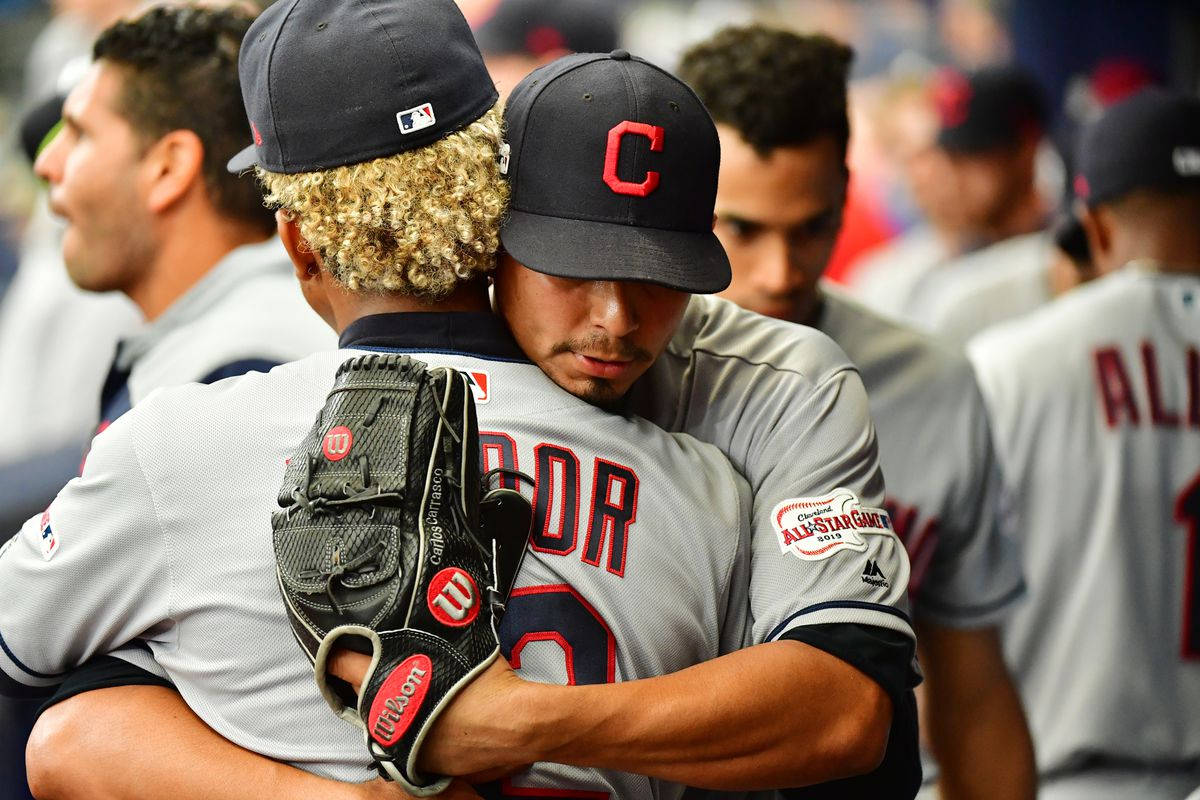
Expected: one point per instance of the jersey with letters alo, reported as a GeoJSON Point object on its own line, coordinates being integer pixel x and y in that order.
{"type": "Point", "coordinates": [935, 446]}
{"type": "Point", "coordinates": [1096, 411]}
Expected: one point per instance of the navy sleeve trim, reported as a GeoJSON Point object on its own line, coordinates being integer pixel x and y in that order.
{"type": "Point", "coordinates": [883, 655]}
{"type": "Point", "coordinates": [31, 672]}
{"type": "Point", "coordinates": [103, 672]}
{"type": "Point", "coordinates": [235, 368]}
{"type": "Point", "coordinates": [895, 612]}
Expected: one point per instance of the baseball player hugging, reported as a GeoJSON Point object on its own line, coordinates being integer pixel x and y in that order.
{"type": "Point", "coordinates": [659, 638]}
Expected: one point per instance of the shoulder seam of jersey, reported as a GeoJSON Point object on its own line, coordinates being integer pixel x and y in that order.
{"type": "Point", "coordinates": [814, 379]}
{"type": "Point", "coordinates": [166, 540]}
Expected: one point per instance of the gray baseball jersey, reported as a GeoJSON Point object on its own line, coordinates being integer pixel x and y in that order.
{"type": "Point", "coordinates": [919, 296]}
{"type": "Point", "coordinates": [980, 301]}
{"type": "Point", "coordinates": [1095, 402]}
{"type": "Point", "coordinates": [935, 446]}
{"type": "Point", "coordinates": [886, 276]}
{"type": "Point", "coordinates": [788, 408]}
{"type": "Point", "coordinates": [245, 313]}
{"type": "Point", "coordinates": [637, 564]}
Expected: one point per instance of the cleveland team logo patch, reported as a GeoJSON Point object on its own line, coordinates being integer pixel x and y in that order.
{"type": "Point", "coordinates": [813, 528]}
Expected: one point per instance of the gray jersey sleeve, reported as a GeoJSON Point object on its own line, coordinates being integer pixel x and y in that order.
{"type": "Point", "coordinates": [938, 459]}
{"type": "Point", "coordinates": [88, 574]}
{"type": "Point", "coordinates": [973, 575]}
{"type": "Point", "coordinates": [790, 412]}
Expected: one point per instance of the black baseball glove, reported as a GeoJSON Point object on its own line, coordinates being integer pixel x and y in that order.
{"type": "Point", "coordinates": [380, 548]}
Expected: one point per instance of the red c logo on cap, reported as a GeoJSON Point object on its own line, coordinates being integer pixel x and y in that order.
{"type": "Point", "coordinates": [613, 154]}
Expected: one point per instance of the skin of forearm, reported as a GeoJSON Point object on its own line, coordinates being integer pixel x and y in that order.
{"type": "Point", "coordinates": [781, 714]}
{"type": "Point", "coordinates": [134, 742]}
{"type": "Point", "coordinates": [972, 717]}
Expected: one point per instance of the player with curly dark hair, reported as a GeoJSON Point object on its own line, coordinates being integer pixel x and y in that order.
{"type": "Point", "coordinates": [804, 98]}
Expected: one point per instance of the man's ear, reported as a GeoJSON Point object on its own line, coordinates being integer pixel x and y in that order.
{"type": "Point", "coordinates": [304, 259]}
{"type": "Point", "coordinates": [172, 167]}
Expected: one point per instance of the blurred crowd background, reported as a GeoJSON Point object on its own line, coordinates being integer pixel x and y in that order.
{"type": "Point", "coordinates": [1082, 55]}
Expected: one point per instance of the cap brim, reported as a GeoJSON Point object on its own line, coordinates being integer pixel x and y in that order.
{"type": "Point", "coordinates": [243, 161]}
{"type": "Point", "coordinates": [587, 250]}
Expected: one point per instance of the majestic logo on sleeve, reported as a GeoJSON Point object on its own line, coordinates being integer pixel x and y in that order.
{"type": "Point", "coordinates": [813, 528]}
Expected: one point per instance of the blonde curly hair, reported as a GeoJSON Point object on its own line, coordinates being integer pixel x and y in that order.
{"type": "Point", "coordinates": [417, 223]}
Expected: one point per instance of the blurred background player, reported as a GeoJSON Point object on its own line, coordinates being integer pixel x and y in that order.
{"type": "Point", "coordinates": [991, 126]}
{"type": "Point", "coordinates": [988, 299]}
{"type": "Point", "coordinates": [1095, 402]}
{"type": "Point", "coordinates": [779, 100]}
{"type": "Point", "coordinates": [518, 36]}
{"type": "Point", "coordinates": [137, 172]}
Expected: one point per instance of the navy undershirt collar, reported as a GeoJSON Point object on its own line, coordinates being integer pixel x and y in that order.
{"type": "Point", "coordinates": [481, 334]}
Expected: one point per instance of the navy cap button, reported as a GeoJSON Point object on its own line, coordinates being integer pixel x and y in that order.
{"type": "Point", "coordinates": [619, 55]}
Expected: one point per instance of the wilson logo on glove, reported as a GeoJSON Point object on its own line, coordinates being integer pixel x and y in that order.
{"type": "Point", "coordinates": [400, 698]}
{"type": "Point", "coordinates": [337, 443]}
{"type": "Point", "coordinates": [453, 598]}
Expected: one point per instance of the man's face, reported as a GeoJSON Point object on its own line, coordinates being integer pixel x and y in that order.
{"type": "Point", "coordinates": [592, 338]}
{"type": "Point", "coordinates": [94, 169]}
{"type": "Point", "coordinates": [986, 187]}
{"type": "Point", "coordinates": [778, 218]}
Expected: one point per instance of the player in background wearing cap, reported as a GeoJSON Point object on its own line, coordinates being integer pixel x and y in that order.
{"type": "Point", "coordinates": [991, 126]}
{"type": "Point", "coordinates": [518, 36]}
{"type": "Point", "coordinates": [979, 303]}
{"type": "Point", "coordinates": [1095, 404]}
{"type": "Point", "coordinates": [840, 713]}
{"type": "Point", "coordinates": [779, 100]}
{"type": "Point", "coordinates": [137, 172]}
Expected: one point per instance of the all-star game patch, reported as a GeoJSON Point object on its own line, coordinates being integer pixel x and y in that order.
{"type": "Point", "coordinates": [814, 528]}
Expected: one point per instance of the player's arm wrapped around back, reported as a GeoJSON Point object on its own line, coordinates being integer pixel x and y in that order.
{"type": "Point", "coordinates": [380, 549]}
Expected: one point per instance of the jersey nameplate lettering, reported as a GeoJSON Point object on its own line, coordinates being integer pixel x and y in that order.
{"type": "Point", "coordinates": [814, 528]}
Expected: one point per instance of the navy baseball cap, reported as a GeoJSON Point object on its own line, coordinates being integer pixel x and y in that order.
{"type": "Point", "coordinates": [537, 27]}
{"type": "Point", "coordinates": [613, 165]}
{"type": "Point", "coordinates": [334, 82]}
{"type": "Point", "coordinates": [986, 109]}
{"type": "Point", "coordinates": [1150, 140]}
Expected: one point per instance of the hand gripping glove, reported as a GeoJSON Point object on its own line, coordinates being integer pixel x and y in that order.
{"type": "Point", "coordinates": [380, 548]}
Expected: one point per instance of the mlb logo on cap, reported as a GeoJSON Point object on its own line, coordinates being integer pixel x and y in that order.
{"type": "Point", "coordinates": [414, 119]}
